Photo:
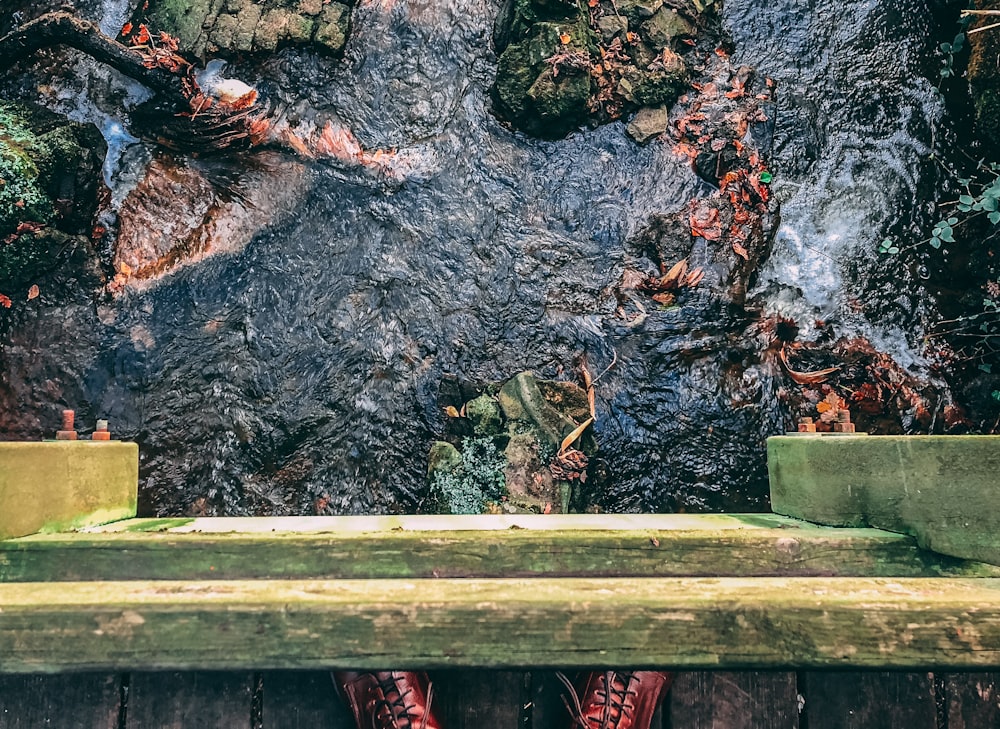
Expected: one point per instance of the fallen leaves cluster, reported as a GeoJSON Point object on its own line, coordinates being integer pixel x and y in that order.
{"type": "Point", "coordinates": [664, 288]}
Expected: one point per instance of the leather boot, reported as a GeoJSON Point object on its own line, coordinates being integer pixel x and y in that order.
{"type": "Point", "coordinates": [617, 699]}
{"type": "Point", "coordinates": [388, 699]}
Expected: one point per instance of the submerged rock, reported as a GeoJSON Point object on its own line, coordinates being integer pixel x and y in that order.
{"type": "Point", "coordinates": [183, 211]}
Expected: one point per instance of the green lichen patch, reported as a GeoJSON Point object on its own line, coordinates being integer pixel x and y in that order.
{"type": "Point", "coordinates": [469, 485]}
{"type": "Point", "coordinates": [25, 165]}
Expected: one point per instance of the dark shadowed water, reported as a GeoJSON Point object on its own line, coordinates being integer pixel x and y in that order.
{"type": "Point", "coordinates": [308, 365]}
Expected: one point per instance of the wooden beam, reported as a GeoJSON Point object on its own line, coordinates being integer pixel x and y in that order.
{"type": "Point", "coordinates": [62, 485]}
{"type": "Point", "coordinates": [939, 489]}
{"type": "Point", "coordinates": [669, 622]}
{"type": "Point", "coordinates": [392, 547]}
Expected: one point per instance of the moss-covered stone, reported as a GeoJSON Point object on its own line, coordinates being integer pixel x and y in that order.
{"type": "Point", "coordinates": [665, 27]}
{"type": "Point", "coordinates": [44, 159]}
{"type": "Point", "coordinates": [543, 83]}
{"type": "Point", "coordinates": [249, 26]}
{"type": "Point", "coordinates": [333, 26]}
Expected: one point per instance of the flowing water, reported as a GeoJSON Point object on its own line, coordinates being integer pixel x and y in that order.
{"type": "Point", "coordinates": [309, 364]}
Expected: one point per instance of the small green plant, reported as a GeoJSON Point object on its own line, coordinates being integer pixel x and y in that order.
{"type": "Point", "coordinates": [950, 50]}
{"type": "Point", "coordinates": [477, 480]}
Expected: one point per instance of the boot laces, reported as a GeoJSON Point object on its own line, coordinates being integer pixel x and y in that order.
{"type": "Point", "coordinates": [614, 692]}
{"type": "Point", "coordinates": [393, 711]}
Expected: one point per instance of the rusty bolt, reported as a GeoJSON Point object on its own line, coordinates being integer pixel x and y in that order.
{"type": "Point", "coordinates": [67, 432]}
{"type": "Point", "coordinates": [843, 424]}
{"type": "Point", "coordinates": [806, 425]}
{"type": "Point", "coordinates": [101, 432]}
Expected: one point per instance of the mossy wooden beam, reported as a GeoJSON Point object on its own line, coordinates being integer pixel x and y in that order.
{"type": "Point", "coordinates": [393, 547]}
{"type": "Point", "coordinates": [62, 485]}
{"type": "Point", "coordinates": [682, 623]}
{"type": "Point", "coordinates": [940, 489]}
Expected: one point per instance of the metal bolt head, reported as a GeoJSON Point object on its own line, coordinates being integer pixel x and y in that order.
{"type": "Point", "coordinates": [67, 432]}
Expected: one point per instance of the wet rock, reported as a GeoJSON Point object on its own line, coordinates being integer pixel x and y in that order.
{"type": "Point", "coordinates": [543, 81]}
{"type": "Point", "coordinates": [648, 123]}
{"type": "Point", "coordinates": [665, 27]}
{"type": "Point", "coordinates": [637, 10]}
{"type": "Point", "coordinates": [196, 215]}
{"type": "Point", "coordinates": [443, 458]}
{"type": "Point", "coordinates": [590, 67]}
{"type": "Point", "coordinates": [529, 481]}
{"type": "Point", "coordinates": [484, 413]}
{"type": "Point", "coordinates": [250, 26]}
{"type": "Point", "coordinates": [522, 400]}
{"type": "Point", "coordinates": [612, 26]}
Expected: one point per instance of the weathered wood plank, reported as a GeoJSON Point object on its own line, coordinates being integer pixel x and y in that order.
{"type": "Point", "coordinates": [61, 485]}
{"type": "Point", "coordinates": [680, 622]}
{"type": "Point", "coordinates": [878, 700]}
{"type": "Point", "coordinates": [477, 699]}
{"type": "Point", "coordinates": [973, 700]}
{"type": "Point", "coordinates": [934, 488]}
{"type": "Point", "coordinates": [657, 545]}
{"type": "Point", "coordinates": [68, 701]}
{"type": "Point", "coordinates": [190, 699]}
{"type": "Point", "coordinates": [303, 700]}
{"type": "Point", "coordinates": [734, 700]}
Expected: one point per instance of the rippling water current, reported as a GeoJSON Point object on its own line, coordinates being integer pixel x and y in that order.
{"type": "Point", "coordinates": [309, 363]}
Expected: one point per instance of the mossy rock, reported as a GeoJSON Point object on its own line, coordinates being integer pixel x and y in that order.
{"type": "Point", "coordinates": [44, 159]}
{"type": "Point", "coordinates": [666, 27]}
{"type": "Point", "coordinates": [230, 27]}
{"type": "Point", "coordinates": [528, 90]}
{"type": "Point", "coordinates": [655, 88]}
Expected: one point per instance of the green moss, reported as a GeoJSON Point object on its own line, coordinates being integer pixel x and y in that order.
{"type": "Point", "coordinates": [477, 480]}
{"type": "Point", "coordinates": [26, 161]}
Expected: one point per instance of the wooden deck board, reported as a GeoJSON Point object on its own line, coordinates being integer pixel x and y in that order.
{"type": "Point", "coordinates": [173, 700]}
{"type": "Point", "coordinates": [682, 622]}
{"type": "Point", "coordinates": [876, 700]}
{"type": "Point", "coordinates": [393, 547]}
{"type": "Point", "coordinates": [303, 700]}
{"type": "Point", "coordinates": [734, 700]}
{"type": "Point", "coordinates": [66, 701]}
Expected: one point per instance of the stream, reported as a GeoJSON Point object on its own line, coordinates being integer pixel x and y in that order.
{"type": "Point", "coordinates": [302, 372]}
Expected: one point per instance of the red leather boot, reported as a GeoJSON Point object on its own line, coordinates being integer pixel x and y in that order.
{"type": "Point", "coordinates": [388, 699]}
{"type": "Point", "coordinates": [617, 699]}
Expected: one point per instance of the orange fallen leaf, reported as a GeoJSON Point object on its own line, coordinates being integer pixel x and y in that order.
{"type": "Point", "coordinates": [565, 38]}
{"type": "Point", "coordinates": [451, 411]}
{"type": "Point", "coordinates": [5, 301]}
{"type": "Point", "coordinates": [124, 269]}
{"type": "Point", "coordinates": [807, 378]}
{"type": "Point", "coordinates": [33, 292]}
{"type": "Point", "coordinates": [741, 251]}
{"type": "Point", "coordinates": [577, 432]}
{"type": "Point", "coordinates": [126, 29]}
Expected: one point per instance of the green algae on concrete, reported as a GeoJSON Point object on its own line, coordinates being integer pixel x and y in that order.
{"type": "Point", "coordinates": [942, 490]}
{"type": "Point", "coordinates": [61, 485]}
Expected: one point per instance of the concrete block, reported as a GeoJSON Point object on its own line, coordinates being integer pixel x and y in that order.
{"type": "Point", "coordinates": [65, 485]}
{"type": "Point", "coordinates": [943, 490]}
